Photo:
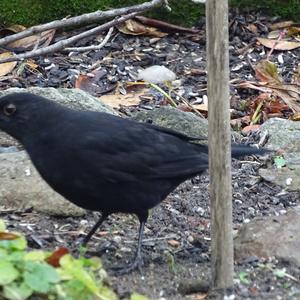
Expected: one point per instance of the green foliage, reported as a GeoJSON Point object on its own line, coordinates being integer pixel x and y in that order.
{"type": "Point", "coordinates": [289, 9]}
{"type": "Point", "coordinates": [184, 12]}
{"type": "Point", "coordinates": [279, 161]}
{"type": "Point", "coordinates": [27, 275]}
{"type": "Point", "coordinates": [32, 12]}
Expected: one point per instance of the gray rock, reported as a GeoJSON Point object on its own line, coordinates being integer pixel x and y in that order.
{"type": "Point", "coordinates": [22, 187]}
{"type": "Point", "coordinates": [277, 236]}
{"type": "Point", "coordinates": [73, 98]}
{"type": "Point", "coordinates": [287, 178]}
{"type": "Point", "coordinates": [282, 132]}
{"type": "Point", "coordinates": [284, 135]}
{"type": "Point", "coordinates": [169, 117]}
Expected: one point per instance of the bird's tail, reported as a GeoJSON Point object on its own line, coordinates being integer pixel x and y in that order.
{"type": "Point", "coordinates": [238, 150]}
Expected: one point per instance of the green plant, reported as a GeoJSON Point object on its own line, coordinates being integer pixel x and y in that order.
{"type": "Point", "coordinates": [45, 275]}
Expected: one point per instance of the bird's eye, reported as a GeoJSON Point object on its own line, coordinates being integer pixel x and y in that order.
{"type": "Point", "coordinates": [9, 109]}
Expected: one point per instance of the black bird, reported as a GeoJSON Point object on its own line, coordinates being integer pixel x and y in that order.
{"type": "Point", "coordinates": [103, 162]}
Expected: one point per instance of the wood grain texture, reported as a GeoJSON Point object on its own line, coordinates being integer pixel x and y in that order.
{"type": "Point", "coordinates": [219, 143]}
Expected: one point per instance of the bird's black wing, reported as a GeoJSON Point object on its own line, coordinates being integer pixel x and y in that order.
{"type": "Point", "coordinates": [123, 150]}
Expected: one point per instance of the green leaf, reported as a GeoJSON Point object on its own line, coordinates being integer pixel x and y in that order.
{"type": "Point", "coordinates": [74, 268]}
{"type": "Point", "coordinates": [17, 292]}
{"type": "Point", "coordinates": [136, 296]}
{"type": "Point", "coordinates": [279, 162]}
{"type": "Point", "coordinates": [36, 255]}
{"type": "Point", "coordinates": [18, 244]}
{"type": "Point", "coordinates": [8, 273]}
{"type": "Point", "coordinates": [39, 276]}
{"type": "Point", "coordinates": [244, 277]}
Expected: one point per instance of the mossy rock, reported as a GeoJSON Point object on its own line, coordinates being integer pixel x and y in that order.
{"type": "Point", "coordinates": [32, 12]}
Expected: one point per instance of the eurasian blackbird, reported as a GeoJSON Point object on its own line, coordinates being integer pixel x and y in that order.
{"type": "Point", "coordinates": [103, 162]}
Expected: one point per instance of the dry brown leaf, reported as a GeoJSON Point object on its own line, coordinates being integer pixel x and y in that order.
{"type": "Point", "coordinates": [31, 64]}
{"type": "Point", "coordinates": [266, 71]}
{"type": "Point", "coordinates": [281, 25]}
{"type": "Point", "coordinates": [173, 243]}
{"type": "Point", "coordinates": [254, 85]}
{"type": "Point", "coordinates": [293, 31]}
{"type": "Point", "coordinates": [7, 67]}
{"type": "Point", "coordinates": [136, 28]}
{"type": "Point", "coordinates": [250, 128]}
{"type": "Point", "coordinates": [43, 39]}
{"type": "Point", "coordinates": [291, 101]}
{"type": "Point", "coordinates": [252, 28]}
{"type": "Point", "coordinates": [295, 117]}
{"type": "Point", "coordinates": [201, 107]}
{"type": "Point", "coordinates": [239, 122]}
{"type": "Point", "coordinates": [198, 296]}
{"type": "Point", "coordinates": [124, 100]}
{"type": "Point", "coordinates": [296, 76]}
{"type": "Point", "coordinates": [8, 236]}
{"type": "Point", "coordinates": [274, 34]}
{"type": "Point", "coordinates": [54, 258]}
{"type": "Point", "coordinates": [279, 45]}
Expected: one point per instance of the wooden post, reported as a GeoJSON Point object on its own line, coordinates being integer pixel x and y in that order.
{"type": "Point", "coordinates": [219, 143]}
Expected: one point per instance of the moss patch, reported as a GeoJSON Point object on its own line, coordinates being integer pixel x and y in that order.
{"type": "Point", "coordinates": [184, 12]}
{"type": "Point", "coordinates": [32, 12]}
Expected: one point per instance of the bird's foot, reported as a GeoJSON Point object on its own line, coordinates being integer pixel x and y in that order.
{"type": "Point", "coordinates": [135, 265]}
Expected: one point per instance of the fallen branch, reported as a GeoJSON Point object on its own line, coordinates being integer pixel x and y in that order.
{"type": "Point", "coordinates": [83, 19]}
{"type": "Point", "coordinates": [63, 43]}
{"type": "Point", "coordinates": [93, 47]}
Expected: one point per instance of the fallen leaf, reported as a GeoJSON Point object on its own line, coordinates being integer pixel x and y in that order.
{"type": "Point", "coordinates": [166, 27]}
{"type": "Point", "coordinates": [198, 296]}
{"type": "Point", "coordinates": [201, 107]}
{"type": "Point", "coordinates": [8, 236]}
{"type": "Point", "coordinates": [90, 83]}
{"type": "Point", "coordinates": [173, 243]}
{"type": "Point", "coordinates": [250, 128]}
{"type": "Point", "coordinates": [117, 100]}
{"type": "Point", "coordinates": [278, 45]}
{"type": "Point", "coordinates": [280, 25]}
{"type": "Point", "coordinates": [295, 117]}
{"type": "Point", "coordinates": [54, 258]}
{"type": "Point", "coordinates": [133, 27]}
{"type": "Point", "coordinates": [296, 76]}
{"type": "Point", "coordinates": [42, 39]}
{"type": "Point", "coordinates": [293, 31]}
{"type": "Point", "coordinates": [7, 67]}
{"type": "Point", "coordinates": [252, 28]}
{"type": "Point", "coordinates": [274, 34]}
{"type": "Point", "coordinates": [240, 122]}
{"type": "Point", "coordinates": [266, 71]}
{"type": "Point", "coordinates": [195, 72]}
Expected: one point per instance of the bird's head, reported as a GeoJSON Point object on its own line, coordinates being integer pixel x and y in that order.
{"type": "Point", "coordinates": [20, 113]}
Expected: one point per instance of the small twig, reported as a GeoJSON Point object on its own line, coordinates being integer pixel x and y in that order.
{"type": "Point", "coordinates": [78, 20]}
{"type": "Point", "coordinates": [188, 104]}
{"type": "Point", "coordinates": [63, 43]}
{"type": "Point", "coordinates": [93, 47]}
{"type": "Point", "coordinates": [281, 35]}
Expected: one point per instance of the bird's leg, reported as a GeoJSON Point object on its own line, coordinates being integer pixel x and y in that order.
{"type": "Point", "coordinates": [138, 260]}
{"type": "Point", "coordinates": [93, 230]}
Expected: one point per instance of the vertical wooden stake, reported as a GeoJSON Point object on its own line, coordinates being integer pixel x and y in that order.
{"type": "Point", "coordinates": [219, 143]}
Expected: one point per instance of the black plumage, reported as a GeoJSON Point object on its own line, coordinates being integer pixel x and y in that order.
{"type": "Point", "coordinates": [103, 162]}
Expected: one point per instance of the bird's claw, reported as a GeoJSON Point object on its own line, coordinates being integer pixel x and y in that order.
{"type": "Point", "coordinates": [135, 265]}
